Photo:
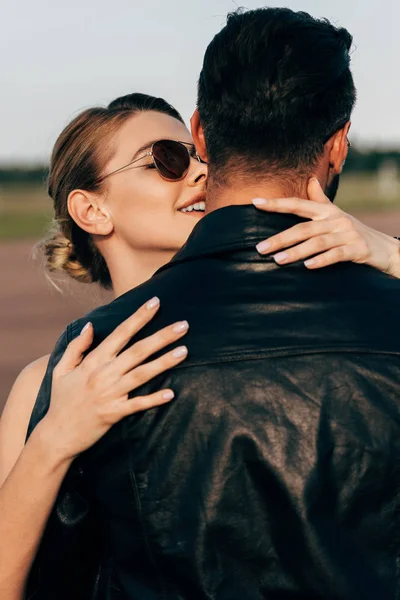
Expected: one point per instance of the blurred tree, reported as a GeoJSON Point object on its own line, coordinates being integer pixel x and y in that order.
{"type": "Point", "coordinates": [23, 174]}
{"type": "Point", "coordinates": [370, 161]}
{"type": "Point", "coordinates": [358, 160]}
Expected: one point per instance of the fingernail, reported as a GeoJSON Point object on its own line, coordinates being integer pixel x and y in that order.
{"type": "Point", "coordinates": [259, 201]}
{"type": "Point", "coordinates": [315, 179]}
{"type": "Point", "coordinates": [153, 303]}
{"type": "Point", "coordinates": [281, 256]}
{"type": "Point", "coordinates": [263, 247]}
{"type": "Point", "coordinates": [181, 327]}
{"type": "Point", "coordinates": [180, 352]}
{"type": "Point", "coordinates": [168, 395]}
{"type": "Point", "coordinates": [86, 328]}
{"type": "Point", "coordinates": [309, 262]}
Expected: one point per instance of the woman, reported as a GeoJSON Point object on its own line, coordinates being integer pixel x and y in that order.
{"type": "Point", "coordinates": [127, 190]}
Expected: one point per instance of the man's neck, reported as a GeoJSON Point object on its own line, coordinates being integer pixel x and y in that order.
{"type": "Point", "coordinates": [240, 192]}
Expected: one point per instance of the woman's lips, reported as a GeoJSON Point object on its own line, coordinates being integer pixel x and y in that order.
{"type": "Point", "coordinates": [197, 199]}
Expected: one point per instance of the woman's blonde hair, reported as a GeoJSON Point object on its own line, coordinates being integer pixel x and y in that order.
{"type": "Point", "coordinates": [77, 161]}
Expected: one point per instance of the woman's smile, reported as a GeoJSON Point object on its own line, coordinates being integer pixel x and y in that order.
{"type": "Point", "coordinates": [195, 206]}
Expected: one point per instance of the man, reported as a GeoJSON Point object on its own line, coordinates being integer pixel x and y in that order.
{"type": "Point", "coordinates": [275, 472]}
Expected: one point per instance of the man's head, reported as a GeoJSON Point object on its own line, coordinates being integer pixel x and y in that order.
{"type": "Point", "coordinates": [275, 97]}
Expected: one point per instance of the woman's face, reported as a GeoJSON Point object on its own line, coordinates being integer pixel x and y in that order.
{"type": "Point", "coordinates": [146, 209]}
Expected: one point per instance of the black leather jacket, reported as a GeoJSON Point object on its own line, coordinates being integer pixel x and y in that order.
{"type": "Point", "coordinates": [275, 473]}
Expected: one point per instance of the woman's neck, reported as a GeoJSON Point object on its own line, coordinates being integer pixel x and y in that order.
{"type": "Point", "coordinates": [130, 268]}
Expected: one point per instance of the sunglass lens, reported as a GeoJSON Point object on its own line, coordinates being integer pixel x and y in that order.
{"type": "Point", "coordinates": [171, 159]}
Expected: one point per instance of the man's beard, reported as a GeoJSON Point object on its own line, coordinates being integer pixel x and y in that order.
{"type": "Point", "coordinates": [332, 188]}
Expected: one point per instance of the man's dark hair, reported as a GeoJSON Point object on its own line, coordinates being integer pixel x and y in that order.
{"type": "Point", "coordinates": [275, 85]}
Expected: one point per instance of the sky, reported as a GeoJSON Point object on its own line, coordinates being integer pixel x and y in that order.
{"type": "Point", "coordinates": [58, 58]}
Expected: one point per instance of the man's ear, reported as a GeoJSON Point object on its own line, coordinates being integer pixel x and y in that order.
{"type": "Point", "coordinates": [198, 136]}
{"type": "Point", "coordinates": [89, 213]}
{"type": "Point", "coordinates": [339, 148]}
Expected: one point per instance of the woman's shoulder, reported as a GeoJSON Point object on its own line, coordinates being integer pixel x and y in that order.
{"type": "Point", "coordinates": [27, 384]}
{"type": "Point", "coordinates": [26, 388]}
{"type": "Point", "coordinates": [33, 371]}
{"type": "Point", "coordinates": [17, 411]}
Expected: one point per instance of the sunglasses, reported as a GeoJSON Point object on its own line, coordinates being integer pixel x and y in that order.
{"type": "Point", "coordinates": [170, 158]}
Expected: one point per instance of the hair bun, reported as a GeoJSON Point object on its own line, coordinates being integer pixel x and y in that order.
{"type": "Point", "coordinates": [60, 256]}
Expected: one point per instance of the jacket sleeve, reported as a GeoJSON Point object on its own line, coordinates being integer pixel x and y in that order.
{"type": "Point", "coordinates": [67, 562]}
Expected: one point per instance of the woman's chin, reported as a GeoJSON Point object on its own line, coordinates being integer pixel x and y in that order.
{"type": "Point", "coordinates": [186, 222]}
{"type": "Point", "coordinates": [194, 214]}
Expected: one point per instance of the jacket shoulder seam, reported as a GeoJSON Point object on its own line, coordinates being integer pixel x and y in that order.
{"type": "Point", "coordinates": [284, 353]}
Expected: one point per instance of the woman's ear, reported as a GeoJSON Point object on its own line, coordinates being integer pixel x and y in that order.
{"type": "Point", "coordinates": [198, 136]}
{"type": "Point", "coordinates": [89, 214]}
{"type": "Point", "coordinates": [339, 149]}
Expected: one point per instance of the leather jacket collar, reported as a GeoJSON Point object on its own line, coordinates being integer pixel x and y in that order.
{"type": "Point", "coordinates": [232, 228]}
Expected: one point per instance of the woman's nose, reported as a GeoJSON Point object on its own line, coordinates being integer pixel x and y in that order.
{"type": "Point", "coordinates": [197, 172]}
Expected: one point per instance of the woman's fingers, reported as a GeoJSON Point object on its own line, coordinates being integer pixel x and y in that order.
{"type": "Point", "coordinates": [294, 235]}
{"type": "Point", "coordinates": [140, 403]}
{"type": "Point", "coordinates": [73, 355]}
{"type": "Point", "coordinates": [295, 206]}
{"type": "Point", "coordinates": [332, 256]}
{"type": "Point", "coordinates": [143, 374]}
{"type": "Point", "coordinates": [315, 246]}
{"type": "Point", "coordinates": [139, 352]}
{"type": "Point", "coordinates": [318, 206]}
{"type": "Point", "coordinates": [119, 338]}
{"type": "Point", "coordinates": [316, 193]}
{"type": "Point", "coordinates": [94, 393]}
{"type": "Point", "coordinates": [304, 231]}
{"type": "Point", "coordinates": [328, 227]}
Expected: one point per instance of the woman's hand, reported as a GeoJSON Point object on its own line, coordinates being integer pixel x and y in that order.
{"type": "Point", "coordinates": [330, 236]}
{"type": "Point", "coordinates": [90, 394]}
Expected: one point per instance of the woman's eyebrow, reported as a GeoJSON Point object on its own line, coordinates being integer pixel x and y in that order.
{"type": "Point", "coordinates": [145, 146]}
{"type": "Point", "coordinates": [148, 145]}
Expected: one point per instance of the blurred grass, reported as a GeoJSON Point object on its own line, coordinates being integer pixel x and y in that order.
{"type": "Point", "coordinates": [26, 210]}
{"type": "Point", "coordinates": [23, 226]}
{"type": "Point", "coordinates": [361, 192]}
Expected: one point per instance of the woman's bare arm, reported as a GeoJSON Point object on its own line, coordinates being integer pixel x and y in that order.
{"type": "Point", "coordinates": [88, 396]}
{"type": "Point", "coordinates": [15, 418]}
{"type": "Point", "coordinates": [29, 480]}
